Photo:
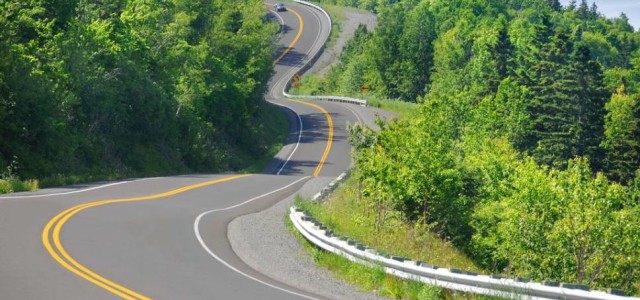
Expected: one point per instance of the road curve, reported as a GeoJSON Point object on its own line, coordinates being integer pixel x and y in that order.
{"type": "Point", "coordinates": [166, 237]}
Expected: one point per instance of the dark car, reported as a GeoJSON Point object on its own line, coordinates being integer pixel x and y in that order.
{"type": "Point", "coordinates": [280, 7]}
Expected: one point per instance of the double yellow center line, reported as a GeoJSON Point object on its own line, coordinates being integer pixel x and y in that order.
{"type": "Point", "coordinates": [51, 232]}
{"type": "Point", "coordinates": [53, 245]}
{"type": "Point", "coordinates": [327, 148]}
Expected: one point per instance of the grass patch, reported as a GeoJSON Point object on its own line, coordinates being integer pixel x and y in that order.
{"type": "Point", "coordinates": [14, 185]}
{"type": "Point", "coordinates": [313, 84]}
{"type": "Point", "coordinates": [402, 108]}
{"type": "Point", "coordinates": [347, 216]}
{"type": "Point", "coordinates": [368, 279]}
{"type": "Point", "coordinates": [310, 84]}
{"type": "Point", "coordinates": [96, 176]}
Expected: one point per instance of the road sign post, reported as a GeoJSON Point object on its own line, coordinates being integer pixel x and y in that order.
{"type": "Point", "coordinates": [296, 82]}
{"type": "Point", "coordinates": [365, 90]}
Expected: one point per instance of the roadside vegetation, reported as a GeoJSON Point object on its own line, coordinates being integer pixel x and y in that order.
{"type": "Point", "coordinates": [523, 151]}
{"type": "Point", "coordinates": [349, 216]}
{"type": "Point", "coordinates": [9, 183]}
{"type": "Point", "coordinates": [130, 88]}
{"type": "Point", "coordinates": [365, 278]}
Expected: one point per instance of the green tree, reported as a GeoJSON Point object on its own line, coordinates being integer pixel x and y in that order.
{"type": "Point", "coordinates": [621, 146]}
{"type": "Point", "coordinates": [588, 110]}
{"type": "Point", "coordinates": [386, 40]}
{"type": "Point", "coordinates": [569, 225]}
{"type": "Point", "coordinates": [416, 47]}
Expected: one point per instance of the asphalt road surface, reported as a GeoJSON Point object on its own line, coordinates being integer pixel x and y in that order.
{"type": "Point", "coordinates": [166, 238]}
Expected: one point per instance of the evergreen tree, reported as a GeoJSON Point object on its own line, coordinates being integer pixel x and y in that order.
{"type": "Point", "coordinates": [543, 72]}
{"type": "Point", "coordinates": [386, 41]}
{"type": "Point", "coordinates": [555, 5]}
{"type": "Point", "coordinates": [583, 10]}
{"type": "Point", "coordinates": [504, 52]}
{"type": "Point", "coordinates": [588, 110]}
{"type": "Point", "coordinates": [416, 45]}
{"type": "Point", "coordinates": [593, 11]}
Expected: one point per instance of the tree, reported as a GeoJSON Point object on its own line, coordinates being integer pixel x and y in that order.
{"type": "Point", "coordinates": [569, 225]}
{"type": "Point", "coordinates": [622, 148]}
{"type": "Point", "coordinates": [550, 107]}
{"type": "Point", "coordinates": [416, 47]}
{"type": "Point", "coordinates": [386, 40]}
{"type": "Point", "coordinates": [583, 10]}
{"type": "Point", "coordinates": [504, 50]}
{"type": "Point", "coordinates": [554, 4]}
{"type": "Point", "coordinates": [588, 111]}
{"type": "Point", "coordinates": [129, 86]}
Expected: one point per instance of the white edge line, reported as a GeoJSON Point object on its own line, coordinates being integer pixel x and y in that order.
{"type": "Point", "coordinates": [299, 137]}
{"type": "Point", "coordinates": [284, 77]}
{"type": "Point", "coordinates": [78, 191]}
{"type": "Point", "coordinates": [294, 112]}
{"type": "Point", "coordinates": [196, 230]}
{"type": "Point", "coordinates": [354, 113]}
{"type": "Point", "coordinates": [281, 21]}
{"type": "Point", "coordinates": [302, 63]}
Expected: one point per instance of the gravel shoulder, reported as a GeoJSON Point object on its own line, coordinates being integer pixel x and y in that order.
{"type": "Point", "coordinates": [262, 240]}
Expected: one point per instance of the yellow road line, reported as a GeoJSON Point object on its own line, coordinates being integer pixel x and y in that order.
{"type": "Point", "coordinates": [58, 252]}
{"type": "Point", "coordinates": [295, 40]}
{"type": "Point", "coordinates": [327, 149]}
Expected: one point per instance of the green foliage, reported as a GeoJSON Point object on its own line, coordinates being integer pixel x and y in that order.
{"type": "Point", "coordinates": [566, 62]}
{"type": "Point", "coordinates": [408, 167]}
{"type": "Point", "coordinates": [503, 156]}
{"type": "Point", "coordinates": [568, 225]}
{"type": "Point", "coordinates": [344, 214]}
{"type": "Point", "coordinates": [134, 87]}
{"type": "Point", "coordinates": [395, 60]}
{"type": "Point", "coordinates": [9, 183]}
{"type": "Point", "coordinates": [621, 131]}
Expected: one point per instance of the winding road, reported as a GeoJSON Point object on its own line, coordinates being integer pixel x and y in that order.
{"type": "Point", "coordinates": [166, 238]}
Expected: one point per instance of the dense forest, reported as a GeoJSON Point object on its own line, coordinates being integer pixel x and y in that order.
{"type": "Point", "coordinates": [134, 87]}
{"type": "Point", "coordinates": [525, 152]}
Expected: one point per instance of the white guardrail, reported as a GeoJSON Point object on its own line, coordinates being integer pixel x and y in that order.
{"type": "Point", "coordinates": [308, 65]}
{"type": "Point", "coordinates": [453, 279]}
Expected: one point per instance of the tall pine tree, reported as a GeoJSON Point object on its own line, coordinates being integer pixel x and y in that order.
{"type": "Point", "coordinates": [588, 108]}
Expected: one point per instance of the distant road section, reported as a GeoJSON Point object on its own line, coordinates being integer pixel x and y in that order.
{"type": "Point", "coordinates": [166, 238]}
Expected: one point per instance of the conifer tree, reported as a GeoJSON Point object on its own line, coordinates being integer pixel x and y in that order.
{"type": "Point", "coordinates": [503, 52]}
{"type": "Point", "coordinates": [554, 4]}
{"type": "Point", "coordinates": [588, 110]}
{"type": "Point", "coordinates": [583, 10]}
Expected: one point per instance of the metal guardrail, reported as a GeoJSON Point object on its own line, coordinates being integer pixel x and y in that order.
{"type": "Point", "coordinates": [308, 64]}
{"type": "Point", "coordinates": [453, 279]}
{"type": "Point", "coordinates": [331, 98]}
